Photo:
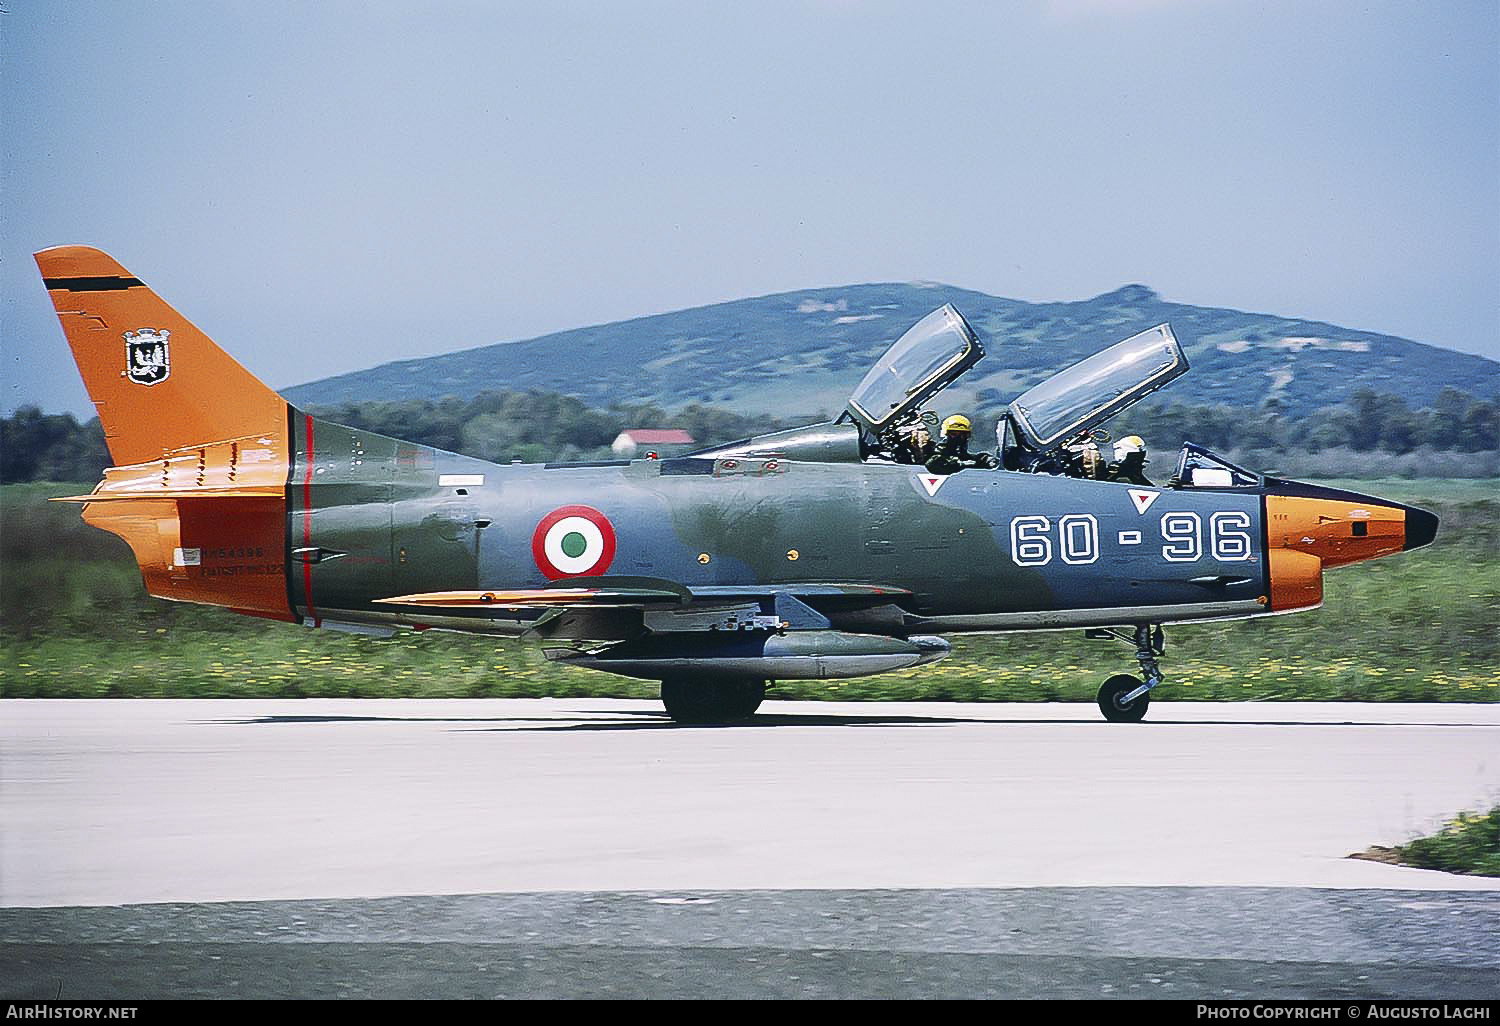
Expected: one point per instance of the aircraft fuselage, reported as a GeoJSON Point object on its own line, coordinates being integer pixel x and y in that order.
{"type": "Point", "coordinates": [370, 517]}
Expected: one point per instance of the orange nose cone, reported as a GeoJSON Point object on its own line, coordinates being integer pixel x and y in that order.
{"type": "Point", "coordinates": [1309, 528]}
{"type": "Point", "coordinates": [1340, 530]}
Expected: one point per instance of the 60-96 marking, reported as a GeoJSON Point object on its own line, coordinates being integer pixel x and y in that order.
{"type": "Point", "coordinates": [1076, 541]}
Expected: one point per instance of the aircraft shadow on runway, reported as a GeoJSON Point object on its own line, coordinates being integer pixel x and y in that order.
{"type": "Point", "coordinates": [617, 719]}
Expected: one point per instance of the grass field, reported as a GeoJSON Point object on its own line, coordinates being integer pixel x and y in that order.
{"type": "Point", "coordinates": [1468, 844]}
{"type": "Point", "coordinates": [1415, 627]}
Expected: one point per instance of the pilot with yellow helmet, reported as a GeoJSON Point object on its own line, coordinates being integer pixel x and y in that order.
{"type": "Point", "coordinates": [1130, 461]}
{"type": "Point", "coordinates": [952, 453]}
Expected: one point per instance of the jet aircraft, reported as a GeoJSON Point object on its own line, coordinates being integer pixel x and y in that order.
{"type": "Point", "coordinates": [813, 553]}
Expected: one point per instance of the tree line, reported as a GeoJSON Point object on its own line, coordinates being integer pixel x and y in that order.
{"type": "Point", "coordinates": [498, 426]}
{"type": "Point", "coordinates": [1368, 422]}
{"type": "Point", "coordinates": [538, 426]}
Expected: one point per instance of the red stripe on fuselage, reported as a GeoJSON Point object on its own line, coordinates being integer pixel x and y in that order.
{"type": "Point", "coordinates": [307, 476]}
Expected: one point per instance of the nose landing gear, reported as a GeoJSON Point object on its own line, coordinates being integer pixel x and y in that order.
{"type": "Point", "coordinates": [1123, 698]}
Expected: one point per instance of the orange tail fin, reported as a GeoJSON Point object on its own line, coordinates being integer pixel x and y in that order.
{"type": "Point", "coordinates": [160, 384]}
{"type": "Point", "coordinates": [201, 447]}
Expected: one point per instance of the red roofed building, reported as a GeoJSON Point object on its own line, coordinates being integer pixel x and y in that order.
{"type": "Point", "coordinates": [663, 442]}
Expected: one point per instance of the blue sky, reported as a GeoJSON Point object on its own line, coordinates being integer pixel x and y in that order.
{"type": "Point", "coordinates": [326, 186]}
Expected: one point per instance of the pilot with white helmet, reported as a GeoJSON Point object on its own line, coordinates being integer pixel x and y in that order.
{"type": "Point", "coordinates": [1130, 461]}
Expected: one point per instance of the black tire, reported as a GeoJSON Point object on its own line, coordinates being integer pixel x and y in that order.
{"type": "Point", "coordinates": [712, 701]}
{"type": "Point", "coordinates": [1116, 688]}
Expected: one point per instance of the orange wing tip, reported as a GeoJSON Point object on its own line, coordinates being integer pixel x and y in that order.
{"type": "Point", "coordinates": [467, 599]}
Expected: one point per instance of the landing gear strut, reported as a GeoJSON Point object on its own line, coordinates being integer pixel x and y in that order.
{"type": "Point", "coordinates": [1123, 698]}
{"type": "Point", "coordinates": [711, 701]}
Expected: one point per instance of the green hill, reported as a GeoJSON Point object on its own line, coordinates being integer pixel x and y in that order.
{"type": "Point", "coordinates": [802, 352]}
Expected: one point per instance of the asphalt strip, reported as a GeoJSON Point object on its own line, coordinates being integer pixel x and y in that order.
{"type": "Point", "coordinates": [1185, 943]}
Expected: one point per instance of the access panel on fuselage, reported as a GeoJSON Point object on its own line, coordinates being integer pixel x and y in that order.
{"type": "Point", "coordinates": [927, 533]}
{"type": "Point", "coordinates": [768, 522]}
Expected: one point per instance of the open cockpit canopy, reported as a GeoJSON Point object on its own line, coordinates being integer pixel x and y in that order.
{"type": "Point", "coordinates": [921, 363]}
{"type": "Point", "coordinates": [1037, 432]}
{"type": "Point", "coordinates": [1091, 391]}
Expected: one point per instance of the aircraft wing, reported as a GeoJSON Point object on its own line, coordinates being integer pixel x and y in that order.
{"type": "Point", "coordinates": [649, 591]}
{"type": "Point", "coordinates": [532, 597]}
{"type": "Point", "coordinates": [859, 594]}
{"type": "Point", "coordinates": [606, 609]}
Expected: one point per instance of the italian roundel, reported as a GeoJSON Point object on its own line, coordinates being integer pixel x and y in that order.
{"type": "Point", "coordinates": [573, 541]}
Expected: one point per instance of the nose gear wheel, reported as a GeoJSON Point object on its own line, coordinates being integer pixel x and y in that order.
{"type": "Point", "coordinates": [1123, 698]}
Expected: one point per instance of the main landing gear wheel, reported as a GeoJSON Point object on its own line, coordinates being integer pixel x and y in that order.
{"type": "Point", "coordinates": [1113, 691]}
{"type": "Point", "coordinates": [716, 701]}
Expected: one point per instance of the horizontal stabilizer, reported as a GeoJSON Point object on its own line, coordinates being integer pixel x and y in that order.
{"type": "Point", "coordinates": [176, 494]}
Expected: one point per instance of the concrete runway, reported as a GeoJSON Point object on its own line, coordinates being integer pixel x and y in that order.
{"type": "Point", "coordinates": [319, 812]}
{"type": "Point", "coordinates": [114, 802]}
